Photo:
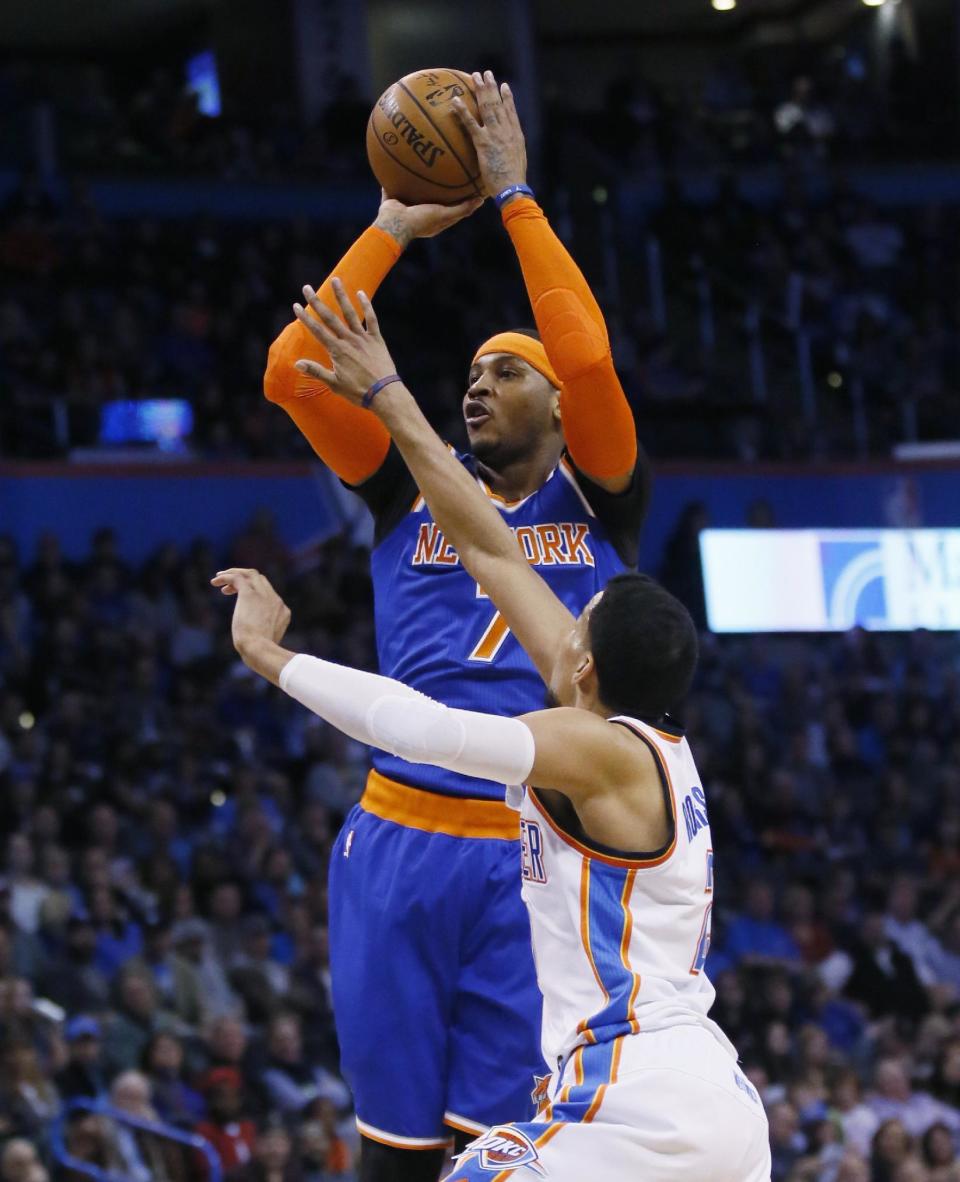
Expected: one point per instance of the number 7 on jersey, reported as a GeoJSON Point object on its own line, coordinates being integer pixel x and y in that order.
{"type": "Point", "coordinates": [493, 637]}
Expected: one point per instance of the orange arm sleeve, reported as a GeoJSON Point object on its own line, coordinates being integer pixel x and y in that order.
{"type": "Point", "coordinates": [351, 441]}
{"type": "Point", "coordinates": [597, 420]}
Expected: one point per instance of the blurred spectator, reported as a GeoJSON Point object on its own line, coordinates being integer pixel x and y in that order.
{"type": "Point", "coordinates": [883, 976]}
{"type": "Point", "coordinates": [231, 1135]}
{"type": "Point", "coordinates": [810, 738]}
{"type": "Point", "coordinates": [802, 121]}
{"type": "Point", "coordinates": [893, 1098]}
{"type": "Point", "coordinates": [83, 1074]}
{"type": "Point", "coordinates": [72, 978]}
{"type": "Point", "coordinates": [786, 1141]}
{"type": "Point", "coordinates": [162, 1064]}
{"type": "Point", "coordinates": [18, 1158]}
{"type": "Point", "coordinates": [891, 1151]}
{"type": "Point", "coordinates": [755, 937]}
{"type": "Point", "coordinates": [272, 1159]}
{"type": "Point", "coordinates": [291, 1082]}
{"type": "Point", "coordinates": [138, 1017]}
{"type": "Point", "coordinates": [906, 931]}
{"type": "Point", "coordinates": [28, 1096]}
{"type": "Point", "coordinates": [202, 990]}
{"type": "Point", "coordinates": [145, 1156]}
{"type": "Point", "coordinates": [256, 975]}
{"type": "Point", "coordinates": [858, 1120]}
{"type": "Point", "coordinates": [940, 1152]}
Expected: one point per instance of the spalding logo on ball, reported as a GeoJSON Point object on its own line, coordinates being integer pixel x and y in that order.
{"type": "Point", "coordinates": [417, 147]}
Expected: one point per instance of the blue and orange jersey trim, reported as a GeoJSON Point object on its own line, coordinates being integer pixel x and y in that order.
{"type": "Point", "coordinates": [433, 812]}
{"type": "Point", "coordinates": [611, 859]}
{"type": "Point", "coordinates": [595, 1069]}
{"type": "Point", "coordinates": [606, 928]}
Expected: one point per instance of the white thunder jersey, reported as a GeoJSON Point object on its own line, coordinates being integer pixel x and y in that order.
{"type": "Point", "coordinates": [620, 942]}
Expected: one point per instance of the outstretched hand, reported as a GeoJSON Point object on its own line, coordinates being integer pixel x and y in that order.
{"type": "Point", "coordinates": [260, 613]}
{"type": "Point", "coordinates": [358, 354]}
{"type": "Point", "coordinates": [497, 136]}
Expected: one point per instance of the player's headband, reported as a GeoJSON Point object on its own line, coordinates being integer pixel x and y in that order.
{"type": "Point", "coordinates": [528, 349]}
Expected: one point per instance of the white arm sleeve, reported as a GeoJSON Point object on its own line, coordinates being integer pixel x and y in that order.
{"type": "Point", "coordinates": [398, 719]}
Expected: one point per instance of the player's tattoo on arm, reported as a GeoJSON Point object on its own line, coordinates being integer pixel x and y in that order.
{"type": "Point", "coordinates": [394, 225]}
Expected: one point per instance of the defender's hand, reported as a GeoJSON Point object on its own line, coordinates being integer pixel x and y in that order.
{"type": "Point", "coordinates": [406, 222]}
{"type": "Point", "coordinates": [260, 613]}
{"type": "Point", "coordinates": [498, 137]}
{"type": "Point", "coordinates": [358, 353]}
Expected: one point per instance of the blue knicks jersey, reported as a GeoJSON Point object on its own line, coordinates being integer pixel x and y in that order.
{"type": "Point", "coordinates": [437, 632]}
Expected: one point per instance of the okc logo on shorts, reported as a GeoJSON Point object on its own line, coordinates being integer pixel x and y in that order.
{"type": "Point", "coordinates": [506, 1148]}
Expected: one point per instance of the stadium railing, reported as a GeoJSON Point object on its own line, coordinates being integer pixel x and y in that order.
{"type": "Point", "coordinates": [158, 1129]}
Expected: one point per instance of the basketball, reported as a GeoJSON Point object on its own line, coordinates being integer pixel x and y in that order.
{"type": "Point", "coordinates": [417, 147]}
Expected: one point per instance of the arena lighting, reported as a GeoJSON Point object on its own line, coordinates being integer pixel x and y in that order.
{"type": "Point", "coordinates": [724, 5]}
{"type": "Point", "coordinates": [874, 3]}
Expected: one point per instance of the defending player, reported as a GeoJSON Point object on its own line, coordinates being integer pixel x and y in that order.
{"type": "Point", "coordinates": [617, 859]}
{"type": "Point", "coordinates": [433, 974]}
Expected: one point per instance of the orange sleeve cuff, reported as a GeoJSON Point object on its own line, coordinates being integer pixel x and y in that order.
{"type": "Point", "coordinates": [351, 441]}
{"type": "Point", "coordinates": [597, 420]}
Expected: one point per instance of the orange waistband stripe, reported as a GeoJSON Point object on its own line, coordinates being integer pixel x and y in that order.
{"type": "Point", "coordinates": [455, 816]}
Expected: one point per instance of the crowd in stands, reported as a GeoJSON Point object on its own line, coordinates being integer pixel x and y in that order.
{"type": "Point", "coordinates": [95, 310]}
{"type": "Point", "coordinates": [169, 817]}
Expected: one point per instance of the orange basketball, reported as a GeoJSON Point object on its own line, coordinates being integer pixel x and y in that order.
{"type": "Point", "coordinates": [417, 147]}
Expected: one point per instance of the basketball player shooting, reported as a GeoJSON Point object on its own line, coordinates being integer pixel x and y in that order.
{"type": "Point", "coordinates": [433, 977]}
{"type": "Point", "coordinates": [616, 854]}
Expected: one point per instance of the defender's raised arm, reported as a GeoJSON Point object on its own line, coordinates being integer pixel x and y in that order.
{"type": "Point", "coordinates": [487, 548]}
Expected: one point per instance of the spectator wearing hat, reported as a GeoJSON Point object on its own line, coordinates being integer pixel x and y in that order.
{"type": "Point", "coordinates": [83, 1074]}
{"type": "Point", "coordinates": [200, 985]}
{"type": "Point", "coordinates": [176, 979]}
{"type": "Point", "coordinates": [225, 1127]}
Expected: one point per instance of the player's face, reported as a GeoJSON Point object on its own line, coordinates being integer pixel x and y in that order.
{"type": "Point", "coordinates": [507, 408]}
{"type": "Point", "coordinates": [573, 661]}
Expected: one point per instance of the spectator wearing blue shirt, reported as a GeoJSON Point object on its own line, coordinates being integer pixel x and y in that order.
{"type": "Point", "coordinates": [754, 937]}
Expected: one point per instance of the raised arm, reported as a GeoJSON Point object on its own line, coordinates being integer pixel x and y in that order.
{"type": "Point", "coordinates": [347, 438]}
{"type": "Point", "coordinates": [570, 747]}
{"type": "Point", "coordinates": [487, 548]}
{"type": "Point", "coordinates": [598, 423]}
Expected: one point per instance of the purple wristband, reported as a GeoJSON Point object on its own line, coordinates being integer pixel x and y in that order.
{"type": "Point", "coordinates": [378, 386]}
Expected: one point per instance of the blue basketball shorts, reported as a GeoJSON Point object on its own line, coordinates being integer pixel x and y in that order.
{"type": "Point", "coordinates": [434, 990]}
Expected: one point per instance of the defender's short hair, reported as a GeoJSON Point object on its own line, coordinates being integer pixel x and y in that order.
{"type": "Point", "coordinates": [644, 645]}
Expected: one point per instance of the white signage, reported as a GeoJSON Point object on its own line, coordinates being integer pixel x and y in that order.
{"type": "Point", "coordinates": [830, 580]}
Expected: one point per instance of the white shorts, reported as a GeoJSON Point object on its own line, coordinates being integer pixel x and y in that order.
{"type": "Point", "coordinates": [670, 1105]}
